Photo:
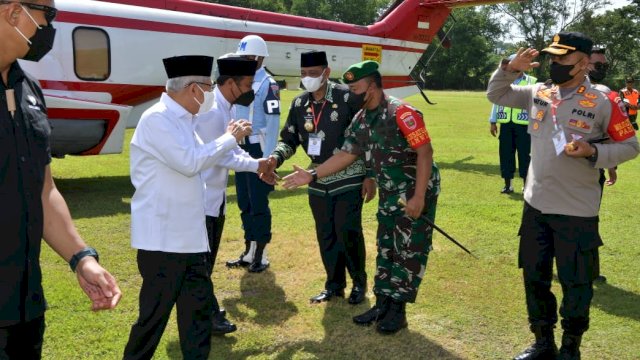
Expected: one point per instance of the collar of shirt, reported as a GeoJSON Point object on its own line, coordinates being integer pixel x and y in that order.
{"type": "Point", "coordinates": [175, 108]}
{"type": "Point", "coordinates": [260, 75]}
{"type": "Point", "coordinates": [328, 96]}
{"type": "Point", "coordinates": [16, 74]}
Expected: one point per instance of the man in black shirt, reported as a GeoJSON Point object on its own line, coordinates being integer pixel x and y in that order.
{"type": "Point", "coordinates": [31, 208]}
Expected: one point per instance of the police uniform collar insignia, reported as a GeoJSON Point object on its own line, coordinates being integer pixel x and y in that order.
{"type": "Point", "coordinates": [581, 89]}
{"type": "Point", "coordinates": [590, 96]}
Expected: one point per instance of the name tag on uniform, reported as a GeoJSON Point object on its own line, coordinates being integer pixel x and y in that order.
{"type": "Point", "coordinates": [315, 145]}
{"type": "Point", "coordinates": [559, 140]}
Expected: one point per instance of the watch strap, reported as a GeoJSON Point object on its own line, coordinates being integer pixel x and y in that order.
{"type": "Point", "coordinates": [75, 259]}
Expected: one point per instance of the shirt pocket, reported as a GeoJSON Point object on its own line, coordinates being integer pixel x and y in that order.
{"type": "Point", "coordinates": [536, 117]}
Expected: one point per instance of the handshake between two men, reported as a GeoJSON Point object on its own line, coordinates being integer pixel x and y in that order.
{"type": "Point", "coordinates": [266, 167]}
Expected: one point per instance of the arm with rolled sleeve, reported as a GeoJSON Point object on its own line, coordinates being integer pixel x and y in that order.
{"type": "Point", "coordinates": [501, 90]}
{"type": "Point", "coordinates": [156, 135]}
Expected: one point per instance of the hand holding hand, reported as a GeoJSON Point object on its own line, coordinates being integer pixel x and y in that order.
{"type": "Point", "coordinates": [297, 178]}
{"type": "Point", "coordinates": [270, 178]}
{"type": "Point", "coordinates": [99, 285]}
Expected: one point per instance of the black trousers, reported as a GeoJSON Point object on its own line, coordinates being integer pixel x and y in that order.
{"type": "Point", "coordinates": [339, 229]}
{"type": "Point", "coordinates": [253, 201]}
{"type": "Point", "coordinates": [633, 118]}
{"type": "Point", "coordinates": [22, 341]}
{"type": "Point", "coordinates": [573, 241]}
{"type": "Point", "coordinates": [215, 226]}
{"type": "Point", "coordinates": [512, 138]}
{"type": "Point", "coordinates": [168, 279]}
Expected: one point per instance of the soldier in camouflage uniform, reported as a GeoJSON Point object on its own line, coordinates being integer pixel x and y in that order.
{"type": "Point", "coordinates": [398, 147]}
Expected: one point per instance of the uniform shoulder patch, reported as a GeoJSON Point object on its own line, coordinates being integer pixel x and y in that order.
{"type": "Point", "coordinates": [412, 126]}
{"type": "Point", "coordinates": [620, 127]}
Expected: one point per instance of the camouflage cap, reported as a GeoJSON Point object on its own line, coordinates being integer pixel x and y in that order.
{"type": "Point", "coordinates": [360, 70]}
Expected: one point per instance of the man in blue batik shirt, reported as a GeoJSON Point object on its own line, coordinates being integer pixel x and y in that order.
{"type": "Point", "coordinates": [253, 194]}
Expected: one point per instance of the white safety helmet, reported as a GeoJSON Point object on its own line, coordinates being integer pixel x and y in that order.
{"type": "Point", "coordinates": [252, 45]}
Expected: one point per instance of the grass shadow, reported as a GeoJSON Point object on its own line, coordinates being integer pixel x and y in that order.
{"type": "Point", "coordinates": [616, 301]}
{"type": "Point", "coordinates": [97, 196]}
{"type": "Point", "coordinates": [254, 289]}
{"type": "Point", "coordinates": [464, 165]}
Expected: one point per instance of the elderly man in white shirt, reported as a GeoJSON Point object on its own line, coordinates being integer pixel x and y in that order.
{"type": "Point", "coordinates": [234, 86]}
{"type": "Point", "coordinates": [167, 210]}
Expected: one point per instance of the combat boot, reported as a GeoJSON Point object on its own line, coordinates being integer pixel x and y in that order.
{"type": "Point", "coordinates": [378, 311]}
{"type": "Point", "coordinates": [245, 258]}
{"type": "Point", "coordinates": [395, 319]}
{"type": "Point", "coordinates": [570, 348]}
{"type": "Point", "coordinates": [544, 348]}
{"type": "Point", "coordinates": [257, 266]}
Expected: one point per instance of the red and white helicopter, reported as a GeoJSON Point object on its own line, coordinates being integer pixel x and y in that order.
{"type": "Point", "coordinates": [105, 67]}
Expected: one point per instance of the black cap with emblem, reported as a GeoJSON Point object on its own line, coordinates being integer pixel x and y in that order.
{"type": "Point", "coordinates": [568, 42]}
{"type": "Point", "coordinates": [237, 66]}
{"type": "Point", "coordinates": [188, 65]}
{"type": "Point", "coordinates": [313, 58]}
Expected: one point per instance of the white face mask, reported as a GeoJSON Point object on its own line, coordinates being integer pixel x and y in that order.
{"type": "Point", "coordinates": [207, 103]}
{"type": "Point", "coordinates": [313, 84]}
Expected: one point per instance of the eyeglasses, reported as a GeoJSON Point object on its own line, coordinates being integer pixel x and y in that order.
{"type": "Point", "coordinates": [49, 12]}
{"type": "Point", "coordinates": [600, 66]}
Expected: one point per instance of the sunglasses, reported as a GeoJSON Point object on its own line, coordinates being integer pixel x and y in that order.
{"type": "Point", "coordinates": [600, 66]}
{"type": "Point", "coordinates": [49, 12]}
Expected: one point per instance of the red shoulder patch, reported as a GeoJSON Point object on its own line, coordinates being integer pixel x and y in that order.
{"type": "Point", "coordinates": [412, 126]}
{"type": "Point", "coordinates": [620, 127]}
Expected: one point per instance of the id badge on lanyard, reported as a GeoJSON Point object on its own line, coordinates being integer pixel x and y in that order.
{"type": "Point", "coordinates": [559, 139]}
{"type": "Point", "coordinates": [315, 145]}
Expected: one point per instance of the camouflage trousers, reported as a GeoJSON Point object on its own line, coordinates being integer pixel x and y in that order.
{"type": "Point", "coordinates": [403, 245]}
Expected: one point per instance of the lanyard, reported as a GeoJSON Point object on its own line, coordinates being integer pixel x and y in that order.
{"type": "Point", "coordinates": [554, 110]}
{"type": "Point", "coordinates": [316, 119]}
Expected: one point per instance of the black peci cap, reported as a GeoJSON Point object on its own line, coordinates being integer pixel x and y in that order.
{"type": "Point", "coordinates": [568, 42]}
{"type": "Point", "coordinates": [188, 65]}
{"type": "Point", "coordinates": [236, 66]}
{"type": "Point", "coordinates": [313, 58]}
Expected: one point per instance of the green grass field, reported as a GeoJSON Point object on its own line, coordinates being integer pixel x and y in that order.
{"type": "Point", "coordinates": [466, 308]}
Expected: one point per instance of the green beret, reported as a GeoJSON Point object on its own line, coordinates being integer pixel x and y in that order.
{"type": "Point", "coordinates": [360, 70]}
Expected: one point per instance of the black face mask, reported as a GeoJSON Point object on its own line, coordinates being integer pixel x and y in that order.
{"type": "Point", "coordinates": [41, 43]}
{"type": "Point", "coordinates": [356, 101]}
{"type": "Point", "coordinates": [560, 73]}
{"type": "Point", "coordinates": [245, 99]}
{"type": "Point", "coordinates": [599, 72]}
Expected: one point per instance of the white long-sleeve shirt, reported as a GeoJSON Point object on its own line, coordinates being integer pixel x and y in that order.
{"type": "Point", "coordinates": [167, 208]}
{"type": "Point", "coordinates": [210, 126]}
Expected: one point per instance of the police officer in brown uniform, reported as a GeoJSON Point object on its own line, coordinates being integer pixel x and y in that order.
{"type": "Point", "coordinates": [569, 117]}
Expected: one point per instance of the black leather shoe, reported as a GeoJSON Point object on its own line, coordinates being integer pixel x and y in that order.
{"type": "Point", "coordinates": [506, 190]}
{"type": "Point", "coordinates": [544, 348]}
{"type": "Point", "coordinates": [221, 326]}
{"type": "Point", "coordinates": [239, 262]}
{"type": "Point", "coordinates": [395, 319]}
{"type": "Point", "coordinates": [377, 312]}
{"type": "Point", "coordinates": [258, 267]}
{"type": "Point", "coordinates": [357, 295]}
{"type": "Point", "coordinates": [326, 295]}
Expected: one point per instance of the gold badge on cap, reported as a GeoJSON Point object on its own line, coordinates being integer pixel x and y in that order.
{"type": "Point", "coordinates": [348, 76]}
{"type": "Point", "coordinates": [556, 38]}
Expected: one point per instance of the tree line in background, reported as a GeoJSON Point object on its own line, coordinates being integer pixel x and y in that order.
{"type": "Point", "coordinates": [480, 36]}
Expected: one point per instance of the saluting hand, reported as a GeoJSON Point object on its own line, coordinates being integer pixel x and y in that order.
{"type": "Point", "coordinates": [524, 60]}
{"type": "Point", "coordinates": [297, 178]}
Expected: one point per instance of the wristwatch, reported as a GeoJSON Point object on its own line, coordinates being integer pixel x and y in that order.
{"type": "Point", "coordinates": [594, 157]}
{"type": "Point", "coordinates": [314, 174]}
{"type": "Point", "coordinates": [75, 259]}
